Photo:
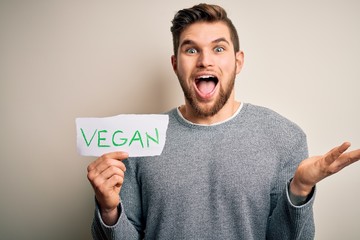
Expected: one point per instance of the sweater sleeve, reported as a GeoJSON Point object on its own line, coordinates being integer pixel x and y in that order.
{"type": "Point", "coordinates": [129, 224]}
{"type": "Point", "coordinates": [122, 229]}
{"type": "Point", "coordinates": [287, 221]}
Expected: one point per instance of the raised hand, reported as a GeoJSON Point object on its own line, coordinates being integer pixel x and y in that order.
{"type": "Point", "coordinates": [315, 169]}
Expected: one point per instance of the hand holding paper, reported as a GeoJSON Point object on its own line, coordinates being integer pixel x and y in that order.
{"type": "Point", "coordinates": [114, 139]}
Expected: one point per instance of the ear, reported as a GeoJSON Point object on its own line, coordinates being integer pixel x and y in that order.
{"type": "Point", "coordinates": [239, 58]}
{"type": "Point", "coordinates": [174, 63]}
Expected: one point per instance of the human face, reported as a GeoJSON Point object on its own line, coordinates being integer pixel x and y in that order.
{"type": "Point", "coordinates": [206, 66]}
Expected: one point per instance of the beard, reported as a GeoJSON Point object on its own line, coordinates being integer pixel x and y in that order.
{"type": "Point", "coordinates": [220, 101]}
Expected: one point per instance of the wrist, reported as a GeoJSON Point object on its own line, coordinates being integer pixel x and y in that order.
{"type": "Point", "coordinates": [109, 216]}
{"type": "Point", "coordinates": [300, 190]}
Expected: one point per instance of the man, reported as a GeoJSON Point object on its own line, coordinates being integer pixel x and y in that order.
{"type": "Point", "coordinates": [229, 170]}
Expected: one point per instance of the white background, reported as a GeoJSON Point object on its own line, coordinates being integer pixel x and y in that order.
{"type": "Point", "coordinates": [65, 59]}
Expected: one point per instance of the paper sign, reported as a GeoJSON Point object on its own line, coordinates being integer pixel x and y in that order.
{"type": "Point", "coordinates": [138, 135]}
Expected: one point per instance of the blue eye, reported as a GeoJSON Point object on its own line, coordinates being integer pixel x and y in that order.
{"type": "Point", "coordinates": [219, 49]}
{"type": "Point", "coordinates": [191, 50]}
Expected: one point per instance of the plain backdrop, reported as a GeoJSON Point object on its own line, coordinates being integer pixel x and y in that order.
{"type": "Point", "coordinates": [84, 58]}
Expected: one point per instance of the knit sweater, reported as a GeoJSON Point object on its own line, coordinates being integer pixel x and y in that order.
{"type": "Point", "coordinates": [223, 181]}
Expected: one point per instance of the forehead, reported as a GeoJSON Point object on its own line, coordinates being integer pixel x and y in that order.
{"type": "Point", "coordinates": [205, 32]}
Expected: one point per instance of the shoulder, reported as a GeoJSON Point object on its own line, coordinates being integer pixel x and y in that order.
{"type": "Point", "coordinates": [269, 118]}
{"type": "Point", "coordinates": [280, 130]}
{"type": "Point", "coordinates": [260, 112]}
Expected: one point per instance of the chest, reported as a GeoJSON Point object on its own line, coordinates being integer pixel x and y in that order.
{"type": "Point", "coordinates": [214, 166]}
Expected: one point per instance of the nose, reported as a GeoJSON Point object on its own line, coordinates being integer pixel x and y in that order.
{"type": "Point", "coordinates": [205, 59]}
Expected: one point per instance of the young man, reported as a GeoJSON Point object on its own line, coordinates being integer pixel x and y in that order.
{"type": "Point", "coordinates": [229, 170]}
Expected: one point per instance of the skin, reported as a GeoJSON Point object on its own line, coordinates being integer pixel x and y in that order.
{"type": "Point", "coordinates": [206, 49]}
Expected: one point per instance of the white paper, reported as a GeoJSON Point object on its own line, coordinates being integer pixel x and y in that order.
{"type": "Point", "coordinates": [138, 135]}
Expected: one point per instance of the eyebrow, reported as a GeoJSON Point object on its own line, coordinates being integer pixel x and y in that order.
{"type": "Point", "coordinates": [191, 42]}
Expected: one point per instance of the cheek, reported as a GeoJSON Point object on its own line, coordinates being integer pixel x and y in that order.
{"type": "Point", "coordinates": [184, 67]}
{"type": "Point", "coordinates": [227, 65]}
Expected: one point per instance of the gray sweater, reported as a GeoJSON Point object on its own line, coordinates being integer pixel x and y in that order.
{"type": "Point", "coordinates": [224, 181]}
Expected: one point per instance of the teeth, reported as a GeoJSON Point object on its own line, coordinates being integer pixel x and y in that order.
{"type": "Point", "coordinates": [206, 76]}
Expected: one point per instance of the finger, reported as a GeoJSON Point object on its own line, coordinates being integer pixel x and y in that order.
{"type": "Point", "coordinates": [106, 163]}
{"type": "Point", "coordinates": [100, 181]}
{"type": "Point", "coordinates": [336, 152]}
{"type": "Point", "coordinates": [351, 157]}
{"type": "Point", "coordinates": [114, 181]}
{"type": "Point", "coordinates": [111, 171]}
{"type": "Point", "coordinates": [108, 166]}
{"type": "Point", "coordinates": [120, 156]}
{"type": "Point", "coordinates": [106, 189]}
{"type": "Point", "coordinates": [112, 155]}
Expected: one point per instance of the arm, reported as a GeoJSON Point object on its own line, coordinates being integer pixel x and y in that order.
{"type": "Point", "coordinates": [106, 174]}
{"type": "Point", "coordinates": [289, 221]}
{"type": "Point", "coordinates": [286, 220]}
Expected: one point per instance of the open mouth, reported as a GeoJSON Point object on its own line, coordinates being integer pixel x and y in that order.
{"type": "Point", "coordinates": [206, 84]}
